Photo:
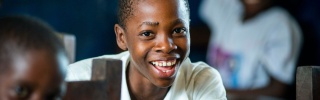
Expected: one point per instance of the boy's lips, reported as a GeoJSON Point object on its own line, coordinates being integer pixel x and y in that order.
{"type": "Point", "coordinates": [165, 69]}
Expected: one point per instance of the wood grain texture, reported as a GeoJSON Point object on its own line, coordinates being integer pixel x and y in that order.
{"type": "Point", "coordinates": [105, 83]}
{"type": "Point", "coordinates": [308, 83]}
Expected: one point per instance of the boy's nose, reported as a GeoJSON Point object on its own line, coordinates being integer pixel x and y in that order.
{"type": "Point", "coordinates": [41, 96]}
{"type": "Point", "coordinates": [165, 44]}
{"type": "Point", "coordinates": [36, 97]}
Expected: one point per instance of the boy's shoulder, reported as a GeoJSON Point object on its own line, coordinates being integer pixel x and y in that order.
{"type": "Point", "coordinates": [199, 81]}
{"type": "Point", "coordinates": [198, 67]}
{"type": "Point", "coordinates": [198, 72]}
{"type": "Point", "coordinates": [278, 15]}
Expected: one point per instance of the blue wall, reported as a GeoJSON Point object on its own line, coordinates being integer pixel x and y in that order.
{"type": "Point", "coordinates": [91, 21]}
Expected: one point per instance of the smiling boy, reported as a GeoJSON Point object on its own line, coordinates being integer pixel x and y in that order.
{"type": "Point", "coordinates": [156, 65]}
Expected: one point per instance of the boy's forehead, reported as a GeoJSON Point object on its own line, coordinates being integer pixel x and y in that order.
{"type": "Point", "coordinates": [39, 70]}
{"type": "Point", "coordinates": [179, 4]}
{"type": "Point", "coordinates": [38, 61]}
{"type": "Point", "coordinates": [169, 7]}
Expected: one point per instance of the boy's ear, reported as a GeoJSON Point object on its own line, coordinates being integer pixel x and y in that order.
{"type": "Point", "coordinates": [120, 36]}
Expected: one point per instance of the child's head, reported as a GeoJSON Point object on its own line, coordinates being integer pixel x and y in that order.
{"type": "Point", "coordinates": [156, 33]}
{"type": "Point", "coordinates": [32, 60]}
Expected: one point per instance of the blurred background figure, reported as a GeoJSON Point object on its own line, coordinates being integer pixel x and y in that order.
{"type": "Point", "coordinates": [253, 44]}
{"type": "Point", "coordinates": [32, 60]}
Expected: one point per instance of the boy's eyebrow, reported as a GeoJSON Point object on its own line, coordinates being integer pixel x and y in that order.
{"type": "Point", "coordinates": [149, 23]}
{"type": "Point", "coordinates": [177, 21]}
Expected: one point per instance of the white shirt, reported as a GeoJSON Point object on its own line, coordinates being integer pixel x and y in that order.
{"type": "Point", "coordinates": [247, 53]}
{"type": "Point", "coordinates": [194, 81]}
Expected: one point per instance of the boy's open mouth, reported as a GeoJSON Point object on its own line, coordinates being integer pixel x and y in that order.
{"type": "Point", "coordinates": [165, 68]}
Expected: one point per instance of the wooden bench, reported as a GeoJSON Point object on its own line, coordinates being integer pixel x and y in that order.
{"type": "Point", "coordinates": [308, 83]}
{"type": "Point", "coordinates": [69, 42]}
{"type": "Point", "coordinates": [105, 82]}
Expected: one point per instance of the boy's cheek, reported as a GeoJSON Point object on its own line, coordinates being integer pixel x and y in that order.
{"type": "Point", "coordinates": [3, 91]}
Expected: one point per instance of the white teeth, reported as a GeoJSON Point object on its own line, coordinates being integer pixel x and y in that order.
{"type": "Point", "coordinates": [169, 63]}
{"type": "Point", "coordinates": [166, 71]}
{"type": "Point", "coordinates": [156, 63]}
{"type": "Point", "coordinates": [164, 63]}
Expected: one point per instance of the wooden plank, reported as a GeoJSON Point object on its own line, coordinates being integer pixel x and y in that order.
{"type": "Point", "coordinates": [308, 83]}
{"type": "Point", "coordinates": [69, 42]}
{"type": "Point", "coordinates": [86, 90]}
{"type": "Point", "coordinates": [316, 83]}
{"type": "Point", "coordinates": [105, 82]}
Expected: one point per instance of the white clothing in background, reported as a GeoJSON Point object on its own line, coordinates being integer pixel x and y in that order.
{"type": "Point", "coordinates": [248, 53]}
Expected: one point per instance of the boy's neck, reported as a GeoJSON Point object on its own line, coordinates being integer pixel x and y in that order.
{"type": "Point", "coordinates": [140, 88]}
{"type": "Point", "coordinates": [251, 11]}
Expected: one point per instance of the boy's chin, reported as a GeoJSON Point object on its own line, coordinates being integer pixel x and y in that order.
{"type": "Point", "coordinates": [164, 83]}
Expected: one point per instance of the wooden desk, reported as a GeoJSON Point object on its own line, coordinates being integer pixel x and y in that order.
{"type": "Point", "coordinates": [308, 83]}
{"type": "Point", "coordinates": [105, 82]}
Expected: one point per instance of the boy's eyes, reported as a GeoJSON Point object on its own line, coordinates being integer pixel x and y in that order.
{"type": "Point", "coordinates": [179, 32]}
{"type": "Point", "coordinates": [21, 92]}
{"type": "Point", "coordinates": [147, 35]}
{"type": "Point", "coordinates": [176, 33]}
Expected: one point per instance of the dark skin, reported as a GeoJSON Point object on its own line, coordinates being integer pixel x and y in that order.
{"type": "Point", "coordinates": [34, 75]}
{"type": "Point", "coordinates": [254, 7]}
{"type": "Point", "coordinates": [157, 32]}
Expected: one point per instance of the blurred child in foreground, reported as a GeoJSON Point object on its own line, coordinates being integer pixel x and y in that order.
{"type": "Point", "coordinates": [32, 60]}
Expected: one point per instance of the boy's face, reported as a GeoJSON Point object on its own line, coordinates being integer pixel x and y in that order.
{"type": "Point", "coordinates": [34, 75]}
{"type": "Point", "coordinates": [157, 37]}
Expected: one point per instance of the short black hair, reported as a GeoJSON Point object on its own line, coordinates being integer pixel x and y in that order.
{"type": "Point", "coordinates": [19, 34]}
{"type": "Point", "coordinates": [125, 10]}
